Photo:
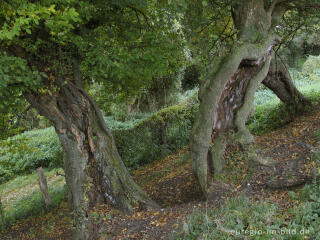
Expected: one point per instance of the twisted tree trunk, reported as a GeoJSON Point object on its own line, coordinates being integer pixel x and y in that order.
{"type": "Point", "coordinates": [279, 81]}
{"type": "Point", "coordinates": [94, 171]}
{"type": "Point", "coordinates": [226, 97]}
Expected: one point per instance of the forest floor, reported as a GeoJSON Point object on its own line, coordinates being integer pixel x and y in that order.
{"type": "Point", "coordinates": [287, 162]}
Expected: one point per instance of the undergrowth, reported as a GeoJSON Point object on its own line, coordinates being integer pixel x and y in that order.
{"type": "Point", "coordinates": [25, 152]}
{"type": "Point", "coordinates": [241, 218]}
{"type": "Point", "coordinates": [270, 114]}
{"type": "Point", "coordinates": [21, 197]}
{"type": "Point", "coordinates": [244, 218]}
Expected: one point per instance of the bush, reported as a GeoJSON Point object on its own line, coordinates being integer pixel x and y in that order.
{"type": "Point", "coordinates": [155, 136]}
{"type": "Point", "coordinates": [311, 67]}
{"type": "Point", "coordinates": [269, 117]}
{"type": "Point", "coordinates": [139, 141]}
{"type": "Point", "coordinates": [27, 151]}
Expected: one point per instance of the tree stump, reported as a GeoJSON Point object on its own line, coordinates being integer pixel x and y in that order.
{"type": "Point", "coordinates": [44, 187]}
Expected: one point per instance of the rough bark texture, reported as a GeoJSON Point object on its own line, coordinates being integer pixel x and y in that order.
{"type": "Point", "coordinates": [43, 187]}
{"type": "Point", "coordinates": [280, 82]}
{"type": "Point", "coordinates": [226, 97]}
{"type": "Point", "coordinates": [94, 170]}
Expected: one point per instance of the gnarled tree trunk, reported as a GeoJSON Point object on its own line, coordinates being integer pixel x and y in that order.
{"type": "Point", "coordinates": [94, 170]}
{"type": "Point", "coordinates": [279, 81]}
{"type": "Point", "coordinates": [226, 97]}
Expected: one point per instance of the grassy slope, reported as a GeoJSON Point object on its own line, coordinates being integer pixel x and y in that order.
{"type": "Point", "coordinates": [21, 197]}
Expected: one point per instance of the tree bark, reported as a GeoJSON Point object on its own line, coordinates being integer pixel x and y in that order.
{"type": "Point", "coordinates": [44, 187]}
{"type": "Point", "coordinates": [279, 81]}
{"type": "Point", "coordinates": [94, 171]}
{"type": "Point", "coordinates": [226, 97]}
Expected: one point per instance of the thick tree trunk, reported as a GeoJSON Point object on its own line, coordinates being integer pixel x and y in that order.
{"type": "Point", "coordinates": [226, 97]}
{"type": "Point", "coordinates": [94, 170]}
{"type": "Point", "coordinates": [280, 82]}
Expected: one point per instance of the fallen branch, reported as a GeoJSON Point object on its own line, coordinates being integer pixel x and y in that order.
{"type": "Point", "coordinates": [290, 182]}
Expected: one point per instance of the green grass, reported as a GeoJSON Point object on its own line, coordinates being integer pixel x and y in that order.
{"type": "Point", "coordinates": [241, 218]}
{"type": "Point", "coordinates": [21, 197]}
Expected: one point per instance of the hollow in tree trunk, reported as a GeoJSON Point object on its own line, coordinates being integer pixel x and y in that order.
{"type": "Point", "coordinates": [226, 97]}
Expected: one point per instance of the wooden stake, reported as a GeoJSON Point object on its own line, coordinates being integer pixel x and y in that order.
{"type": "Point", "coordinates": [1, 213]}
{"type": "Point", "coordinates": [43, 187]}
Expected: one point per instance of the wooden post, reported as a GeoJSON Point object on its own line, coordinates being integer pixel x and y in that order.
{"type": "Point", "coordinates": [43, 187]}
{"type": "Point", "coordinates": [1, 213]}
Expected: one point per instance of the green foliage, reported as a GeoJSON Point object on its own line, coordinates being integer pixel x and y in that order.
{"type": "Point", "coordinates": [270, 113]}
{"type": "Point", "coordinates": [237, 218]}
{"type": "Point", "coordinates": [139, 141]}
{"type": "Point", "coordinates": [241, 218]}
{"type": "Point", "coordinates": [15, 77]}
{"type": "Point", "coordinates": [122, 45]}
{"type": "Point", "coordinates": [156, 136]}
{"type": "Point", "coordinates": [269, 117]}
{"type": "Point", "coordinates": [21, 197]}
{"type": "Point", "coordinates": [25, 152]}
{"type": "Point", "coordinates": [160, 92]}
{"type": "Point", "coordinates": [307, 214]}
{"type": "Point", "coordinates": [311, 68]}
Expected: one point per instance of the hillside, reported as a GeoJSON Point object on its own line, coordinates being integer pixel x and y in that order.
{"type": "Point", "coordinates": [171, 184]}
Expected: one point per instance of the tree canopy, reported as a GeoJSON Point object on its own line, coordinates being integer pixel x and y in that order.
{"type": "Point", "coordinates": [114, 41]}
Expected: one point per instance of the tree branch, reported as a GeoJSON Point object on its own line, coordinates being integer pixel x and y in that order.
{"type": "Point", "coordinates": [136, 10]}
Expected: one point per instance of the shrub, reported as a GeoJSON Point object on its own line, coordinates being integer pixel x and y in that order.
{"type": "Point", "coordinates": [139, 141]}
{"type": "Point", "coordinates": [311, 67]}
{"type": "Point", "coordinates": [27, 151]}
{"type": "Point", "coordinates": [155, 136]}
{"type": "Point", "coordinates": [269, 117]}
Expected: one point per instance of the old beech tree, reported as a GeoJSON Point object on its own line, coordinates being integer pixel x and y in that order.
{"type": "Point", "coordinates": [226, 95]}
{"type": "Point", "coordinates": [50, 50]}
